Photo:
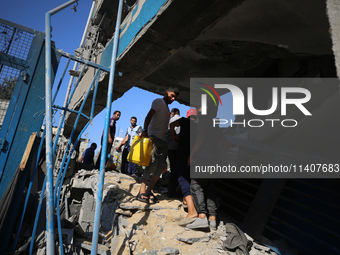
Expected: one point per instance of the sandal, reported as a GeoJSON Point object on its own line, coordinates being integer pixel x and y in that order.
{"type": "Point", "coordinates": [145, 200]}
{"type": "Point", "coordinates": [153, 198]}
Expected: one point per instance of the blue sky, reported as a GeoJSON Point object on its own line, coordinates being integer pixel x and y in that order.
{"type": "Point", "coordinates": [67, 31]}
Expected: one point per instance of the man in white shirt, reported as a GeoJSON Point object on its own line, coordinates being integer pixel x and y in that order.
{"type": "Point", "coordinates": [155, 126]}
{"type": "Point", "coordinates": [131, 132]}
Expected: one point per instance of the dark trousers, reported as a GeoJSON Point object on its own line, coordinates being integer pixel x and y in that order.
{"type": "Point", "coordinates": [124, 160]}
{"type": "Point", "coordinates": [183, 170]}
{"type": "Point", "coordinates": [204, 196]}
{"type": "Point", "coordinates": [131, 167]}
{"type": "Point", "coordinates": [173, 179]}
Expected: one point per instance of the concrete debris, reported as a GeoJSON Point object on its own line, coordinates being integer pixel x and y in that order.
{"type": "Point", "coordinates": [119, 245]}
{"type": "Point", "coordinates": [86, 180]}
{"type": "Point", "coordinates": [130, 203]}
{"type": "Point", "coordinates": [123, 222]}
{"type": "Point", "coordinates": [168, 251]}
{"type": "Point", "coordinates": [128, 226]}
{"type": "Point", "coordinates": [87, 212]}
{"type": "Point", "coordinates": [102, 249]}
{"type": "Point", "coordinates": [191, 237]}
{"type": "Point", "coordinates": [41, 251]}
{"type": "Point", "coordinates": [124, 212]}
{"type": "Point", "coordinates": [164, 251]}
{"type": "Point", "coordinates": [106, 237]}
{"type": "Point", "coordinates": [106, 219]}
{"type": "Point", "coordinates": [261, 247]}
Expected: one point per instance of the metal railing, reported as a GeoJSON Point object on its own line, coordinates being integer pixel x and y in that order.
{"type": "Point", "coordinates": [53, 191]}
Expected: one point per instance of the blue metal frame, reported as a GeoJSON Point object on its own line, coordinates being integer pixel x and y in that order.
{"type": "Point", "coordinates": [63, 170]}
{"type": "Point", "coordinates": [49, 156]}
{"type": "Point", "coordinates": [16, 129]}
{"type": "Point", "coordinates": [52, 198]}
{"type": "Point", "coordinates": [106, 134]}
{"type": "Point", "coordinates": [29, 190]}
{"type": "Point", "coordinates": [14, 111]}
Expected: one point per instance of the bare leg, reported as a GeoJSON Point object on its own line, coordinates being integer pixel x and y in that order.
{"type": "Point", "coordinates": [143, 188]}
{"type": "Point", "coordinates": [192, 213]}
{"type": "Point", "coordinates": [152, 184]}
{"type": "Point", "coordinates": [202, 215]}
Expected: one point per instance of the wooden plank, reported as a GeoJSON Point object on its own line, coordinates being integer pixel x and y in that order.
{"type": "Point", "coordinates": [27, 151]}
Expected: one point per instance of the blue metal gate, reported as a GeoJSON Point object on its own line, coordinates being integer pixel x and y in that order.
{"type": "Point", "coordinates": [22, 68]}
{"type": "Point", "coordinates": [20, 63]}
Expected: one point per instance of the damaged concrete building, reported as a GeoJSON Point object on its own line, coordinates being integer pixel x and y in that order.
{"type": "Point", "coordinates": [165, 43]}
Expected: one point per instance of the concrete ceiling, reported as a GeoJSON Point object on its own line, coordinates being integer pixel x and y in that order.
{"type": "Point", "coordinates": [247, 41]}
{"type": "Point", "coordinates": [235, 38]}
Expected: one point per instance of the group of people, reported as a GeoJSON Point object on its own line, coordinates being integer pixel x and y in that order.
{"type": "Point", "coordinates": [171, 136]}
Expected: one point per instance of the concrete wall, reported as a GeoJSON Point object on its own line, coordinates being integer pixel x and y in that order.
{"type": "Point", "coordinates": [333, 10]}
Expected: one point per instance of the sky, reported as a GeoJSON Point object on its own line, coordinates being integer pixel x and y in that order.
{"type": "Point", "coordinates": [67, 30]}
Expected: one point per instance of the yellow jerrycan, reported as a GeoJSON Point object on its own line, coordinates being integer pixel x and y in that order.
{"type": "Point", "coordinates": [140, 151]}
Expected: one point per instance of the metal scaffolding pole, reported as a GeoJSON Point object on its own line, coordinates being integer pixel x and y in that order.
{"type": "Point", "coordinates": [106, 132]}
{"type": "Point", "coordinates": [48, 105]}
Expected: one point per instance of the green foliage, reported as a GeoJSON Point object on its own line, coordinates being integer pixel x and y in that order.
{"type": "Point", "coordinates": [7, 88]}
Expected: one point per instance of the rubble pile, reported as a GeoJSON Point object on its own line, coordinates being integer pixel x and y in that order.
{"type": "Point", "coordinates": [129, 226]}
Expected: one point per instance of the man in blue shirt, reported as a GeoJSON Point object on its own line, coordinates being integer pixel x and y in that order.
{"type": "Point", "coordinates": [88, 154]}
{"type": "Point", "coordinates": [131, 132]}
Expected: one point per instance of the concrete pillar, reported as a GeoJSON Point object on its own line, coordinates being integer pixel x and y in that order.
{"type": "Point", "coordinates": [333, 11]}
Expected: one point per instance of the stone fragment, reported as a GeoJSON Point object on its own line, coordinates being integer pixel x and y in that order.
{"type": "Point", "coordinates": [87, 212]}
{"type": "Point", "coordinates": [124, 212]}
{"type": "Point", "coordinates": [106, 237]}
{"type": "Point", "coordinates": [168, 251]}
{"type": "Point", "coordinates": [41, 251]}
{"type": "Point", "coordinates": [123, 222]}
{"type": "Point", "coordinates": [249, 237]}
{"type": "Point", "coordinates": [261, 247]}
{"type": "Point", "coordinates": [164, 251]}
{"type": "Point", "coordinates": [191, 237]}
{"type": "Point", "coordinates": [102, 249]}
{"type": "Point", "coordinates": [106, 219]}
{"type": "Point", "coordinates": [118, 245]}
{"type": "Point", "coordinates": [130, 203]}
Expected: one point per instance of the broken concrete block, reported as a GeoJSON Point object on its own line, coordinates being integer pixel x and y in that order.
{"type": "Point", "coordinates": [119, 245]}
{"type": "Point", "coordinates": [164, 251]}
{"type": "Point", "coordinates": [87, 212]}
{"type": "Point", "coordinates": [261, 247]}
{"type": "Point", "coordinates": [191, 237]}
{"type": "Point", "coordinates": [149, 253]}
{"type": "Point", "coordinates": [102, 249]}
{"type": "Point", "coordinates": [105, 237]}
{"type": "Point", "coordinates": [107, 215]}
{"type": "Point", "coordinates": [130, 203]}
{"type": "Point", "coordinates": [124, 212]}
{"type": "Point", "coordinates": [168, 251]}
{"type": "Point", "coordinates": [75, 209]}
{"type": "Point", "coordinates": [123, 222]}
{"type": "Point", "coordinates": [41, 251]}
{"type": "Point", "coordinates": [86, 180]}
